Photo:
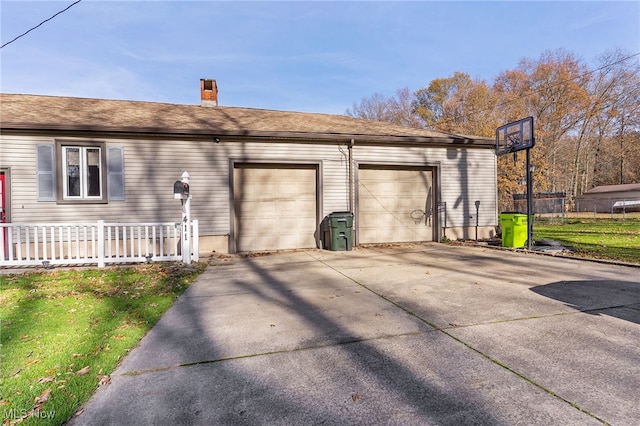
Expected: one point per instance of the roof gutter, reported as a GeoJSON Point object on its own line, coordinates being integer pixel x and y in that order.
{"type": "Point", "coordinates": [86, 131]}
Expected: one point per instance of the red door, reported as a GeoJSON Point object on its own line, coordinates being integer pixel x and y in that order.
{"type": "Point", "coordinates": [3, 215]}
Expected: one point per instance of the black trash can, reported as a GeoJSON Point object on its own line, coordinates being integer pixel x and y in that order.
{"type": "Point", "coordinates": [340, 231]}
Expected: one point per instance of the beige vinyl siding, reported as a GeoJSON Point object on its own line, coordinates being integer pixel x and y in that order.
{"type": "Point", "coordinates": [151, 166]}
{"type": "Point", "coordinates": [150, 169]}
{"type": "Point", "coordinates": [469, 175]}
{"type": "Point", "coordinates": [463, 176]}
{"type": "Point", "coordinates": [19, 154]}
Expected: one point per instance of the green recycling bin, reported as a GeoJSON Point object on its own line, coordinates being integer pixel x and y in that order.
{"type": "Point", "coordinates": [514, 229]}
{"type": "Point", "coordinates": [341, 231]}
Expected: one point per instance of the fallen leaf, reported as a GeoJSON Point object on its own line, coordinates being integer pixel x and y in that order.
{"type": "Point", "coordinates": [46, 379]}
{"type": "Point", "coordinates": [43, 397]}
{"type": "Point", "coordinates": [33, 361]}
{"type": "Point", "coordinates": [355, 397]}
{"type": "Point", "coordinates": [15, 372]}
{"type": "Point", "coordinates": [104, 380]}
{"type": "Point", "coordinates": [83, 371]}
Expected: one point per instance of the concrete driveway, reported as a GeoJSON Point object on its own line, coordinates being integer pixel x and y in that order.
{"type": "Point", "coordinates": [412, 334]}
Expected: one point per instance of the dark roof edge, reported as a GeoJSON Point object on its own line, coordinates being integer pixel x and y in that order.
{"type": "Point", "coordinates": [294, 136]}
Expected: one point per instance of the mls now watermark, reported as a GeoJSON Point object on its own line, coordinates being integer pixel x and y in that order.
{"type": "Point", "coordinates": [16, 414]}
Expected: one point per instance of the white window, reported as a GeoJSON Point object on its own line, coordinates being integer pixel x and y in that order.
{"type": "Point", "coordinates": [82, 172]}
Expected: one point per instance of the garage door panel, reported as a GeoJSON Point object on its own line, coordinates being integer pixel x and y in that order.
{"type": "Point", "coordinates": [262, 223]}
{"type": "Point", "coordinates": [286, 208]}
{"type": "Point", "coordinates": [390, 205]}
{"type": "Point", "coordinates": [287, 189]}
{"type": "Point", "coordinates": [405, 189]}
{"type": "Point", "coordinates": [368, 204]}
{"type": "Point", "coordinates": [384, 188]}
{"type": "Point", "coordinates": [262, 208]}
{"type": "Point", "coordinates": [305, 194]}
{"type": "Point", "coordinates": [408, 204]}
{"type": "Point", "coordinates": [259, 191]}
{"type": "Point", "coordinates": [307, 206]}
{"type": "Point", "coordinates": [251, 175]}
{"type": "Point", "coordinates": [275, 207]}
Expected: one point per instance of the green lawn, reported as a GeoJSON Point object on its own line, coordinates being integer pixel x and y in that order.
{"type": "Point", "coordinates": [596, 238]}
{"type": "Point", "coordinates": [63, 332]}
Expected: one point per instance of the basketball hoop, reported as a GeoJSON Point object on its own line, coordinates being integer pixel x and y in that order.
{"type": "Point", "coordinates": [417, 216]}
{"type": "Point", "coordinates": [515, 136]}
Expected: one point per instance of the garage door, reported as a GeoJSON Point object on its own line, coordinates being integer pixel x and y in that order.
{"type": "Point", "coordinates": [274, 206]}
{"type": "Point", "coordinates": [394, 205]}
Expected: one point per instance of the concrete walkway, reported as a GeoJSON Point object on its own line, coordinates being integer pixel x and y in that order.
{"type": "Point", "coordinates": [411, 334]}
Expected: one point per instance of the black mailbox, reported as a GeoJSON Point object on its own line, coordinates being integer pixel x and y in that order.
{"type": "Point", "coordinates": [180, 190]}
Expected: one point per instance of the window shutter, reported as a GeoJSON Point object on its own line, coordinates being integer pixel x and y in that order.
{"type": "Point", "coordinates": [115, 173]}
{"type": "Point", "coordinates": [45, 173]}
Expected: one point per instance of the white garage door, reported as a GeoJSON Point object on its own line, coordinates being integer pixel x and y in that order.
{"type": "Point", "coordinates": [394, 205]}
{"type": "Point", "coordinates": [275, 206]}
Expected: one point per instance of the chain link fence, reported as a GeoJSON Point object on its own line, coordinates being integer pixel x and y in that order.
{"type": "Point", "coordinates": [558, 207]}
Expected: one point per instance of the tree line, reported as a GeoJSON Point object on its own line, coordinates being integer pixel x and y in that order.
{"type": "Point", "coordinates": [587, 119]}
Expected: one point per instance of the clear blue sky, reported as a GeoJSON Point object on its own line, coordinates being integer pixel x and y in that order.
{"type": "Point", "coordinates": [301, 56]}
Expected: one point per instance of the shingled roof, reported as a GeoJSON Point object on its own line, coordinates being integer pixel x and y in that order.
{"type": "Point", "coordinates": [68, 114]}
{"type": "Point", "coordinates": [614, 188]}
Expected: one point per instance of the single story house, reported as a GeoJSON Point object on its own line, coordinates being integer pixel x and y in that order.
{"type": "Point", "coordinates": [259, 179]}
{"type": "Point", "coordinates": [610, 198]}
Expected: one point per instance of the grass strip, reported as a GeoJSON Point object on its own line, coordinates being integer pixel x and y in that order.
{"type": "Point", "coordinates": [63, 332]}
{"type": "Point", "coordinates": [600, 239]}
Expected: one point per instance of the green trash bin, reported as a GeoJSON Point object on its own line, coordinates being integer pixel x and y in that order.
{"type": "Point", "coordinates": [341, 231]}
{"type": "Point", "coordinates": [514, 229]}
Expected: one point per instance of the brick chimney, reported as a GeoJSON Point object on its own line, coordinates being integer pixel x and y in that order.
{"type": "Point", "coordinates": [208, 92]}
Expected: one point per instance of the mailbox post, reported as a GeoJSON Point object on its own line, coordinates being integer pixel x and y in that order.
{"type": "Point", "coordinates": [181, 192]}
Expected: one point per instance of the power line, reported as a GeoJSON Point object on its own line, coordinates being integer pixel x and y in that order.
{"type": "Point", "coordinates": [41, 23]}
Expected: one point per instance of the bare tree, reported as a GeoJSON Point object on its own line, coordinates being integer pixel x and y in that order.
{"type": "Point", "coordinates": [396, 110]}
{"type": "Point", "coordinates": [375, 108]}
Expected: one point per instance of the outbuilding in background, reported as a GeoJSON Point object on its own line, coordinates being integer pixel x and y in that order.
{"type": "Point", "coordinates": [610, 199]}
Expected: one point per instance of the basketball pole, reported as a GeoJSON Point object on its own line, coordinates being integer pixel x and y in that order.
{"type": "Point", "coordinates": [513, 137]}
{"type": "Point", "coordinates": [529, 201]}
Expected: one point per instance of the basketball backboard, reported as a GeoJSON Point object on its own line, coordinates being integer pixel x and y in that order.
{"type": "Point", "coordinates": [515, 136]}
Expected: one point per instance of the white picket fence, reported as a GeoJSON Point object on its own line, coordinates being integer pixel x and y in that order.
{"type": "Point", "coordinates": [95, 243]}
